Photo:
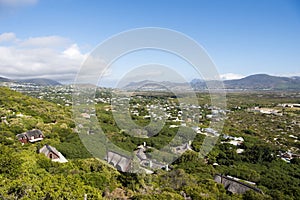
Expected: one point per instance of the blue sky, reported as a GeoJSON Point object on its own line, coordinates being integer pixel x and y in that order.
{"type": "Point", "coordinates": [50, 38]}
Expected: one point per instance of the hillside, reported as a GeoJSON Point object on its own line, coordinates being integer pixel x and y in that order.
{"type": "Point", "coordinates": [25, 174]}
{"type": "Point", "coordinates": [2, 79]}
{"type": "Point", "coordinates": [22, 113]}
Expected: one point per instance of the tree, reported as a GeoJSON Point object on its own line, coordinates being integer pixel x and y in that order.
{"type": "Point", "coordinates": [10, 162]}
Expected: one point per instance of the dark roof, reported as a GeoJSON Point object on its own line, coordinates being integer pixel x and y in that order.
{"type": "Point", "coordinates": [29, 134]}
{"type": "Point", "coordinates": [241, 183]}
{"type": "Point", "coordinates": [121, 162]}
{"type": "Point", "coordinates": [47, 149]}
{"type": "Point", "coordinates": [141, 154]}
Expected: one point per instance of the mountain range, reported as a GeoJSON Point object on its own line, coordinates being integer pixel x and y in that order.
{"type": "Point", "coordinates": [252, 82]}
{"type": "Point", "coordinates": [34, 81]}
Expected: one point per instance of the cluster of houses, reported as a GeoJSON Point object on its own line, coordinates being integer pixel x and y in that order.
{"type": "Point", "coordinates": [125, 163]}
{"type": "Point", "coordinates": [165, 109]}
{"type": "Point", "coordinates": [178, 150]}
{"type": "Point", "coordinates": [145, 162]}
{"type": "Point", "coordinates": [289, 105]}
{"type": "Point", "coordinates": [287, 156]}
{"type": "Point", "coordinates": [274, 111]}
{"type": "Point", "coordinates": [21, 87]}
{"type": "Point", "coordinates": [36, 135]}
{"type": "Point", "coordinates": [58, 93]}
{"type": "Point", "coordinates": [235, 141]}
{"type": "Point", "coordinates": [267, 111]}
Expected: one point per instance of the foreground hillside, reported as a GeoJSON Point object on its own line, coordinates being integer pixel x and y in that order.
{"type": "Point", "coordinates": [25, 174]}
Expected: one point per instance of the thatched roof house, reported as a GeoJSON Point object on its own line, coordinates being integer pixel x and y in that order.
{"type": "Point", "coordinates": [53, 154]}
{"type": "Point", "coordinates": [34, 135]}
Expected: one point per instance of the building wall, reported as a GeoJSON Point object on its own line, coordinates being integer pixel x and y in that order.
{"type": "Point", "coordinates": [23, 140]}
{"type": "Point", "coordinates": [51, 155]}
{"type": "Point", "coordinates": [233, 185]}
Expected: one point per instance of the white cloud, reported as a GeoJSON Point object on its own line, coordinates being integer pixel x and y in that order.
{"type": "Point", "coordinates": [38, 57]}
{"type": "Point", "coordinates": [287, 74]}
{"type": "Point", "coordinates": [7, 37]}
{"type": "Point", "coordinates": [73, 52]}
{"type": "Point", "coordinates": [231, 76]}
{"type": "Point", "coordinates": [17, 3]}
{"type": "Point", "coordinates": [47, 41]}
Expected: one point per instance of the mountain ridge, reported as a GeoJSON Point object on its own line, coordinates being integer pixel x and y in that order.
{"type": "Point", "coordinates": [264, 81]}
{"type": "Point", "coordinates": [252, 82]}
{"type": "Point", "coordinates": [41, 81]}
{"type": "Point", "coordinates": [34, 81]}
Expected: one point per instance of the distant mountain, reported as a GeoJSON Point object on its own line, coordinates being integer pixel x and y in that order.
{"type": "Point", "coordinates": [253, 82]}
{"type": "Point", "coordinates": [2, 79]}
{"type": "Point", "coordinates": [198, 84]}
{"type": "Point", "coordinates": [264, 81]}
{"type": "Point", "coordinates": [40, 82]}
{"type": "Point", "coordinates": [156, 86]}
{"type": "Point", "coordinates": [295, 77]}
{"type": "Point", "coordinates": [35, 81]}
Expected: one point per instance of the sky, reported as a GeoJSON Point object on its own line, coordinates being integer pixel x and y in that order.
{"type": "Point", "coordinates": [52, 38]}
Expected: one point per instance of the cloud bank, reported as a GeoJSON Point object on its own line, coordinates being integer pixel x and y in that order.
{"type": "Point", "coordinates": [51, 57]}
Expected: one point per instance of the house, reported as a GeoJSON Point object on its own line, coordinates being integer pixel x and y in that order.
{"type": "Point", "coordinates": [34, 135]}
{"type": "Point", "coordinates": [125, 163]}
{"type": "Point", "coordinates": [53, 154]}
{"type": "Point", "coordinates": [144, 161]}
{"type": "Point", "coordinates": [235, 185]}
{"type": "Point", "coordinates": [290, 105]}
{"type": "Point", "coordinates": [85, 115]}
{"type": "Point", "coordinates": [288, 156]}
{"type": "Point", "coordinates": [236, 141]}
{"type": "Point", "coordinates": [140, 153]}
{"type": "Point", "coordinates": [239, 151]}
{"type": "Point", "coordinates": [211, 131]}
{"type": "Point", "coordinates": [181, 149]}
{"type": "Point", "coordinates": [264, 110]}
{"type": "Point", "coordinates": [120, 162]}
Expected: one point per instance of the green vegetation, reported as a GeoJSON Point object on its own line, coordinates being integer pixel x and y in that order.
{"type": "Point", "coordinates": [24, 174]}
